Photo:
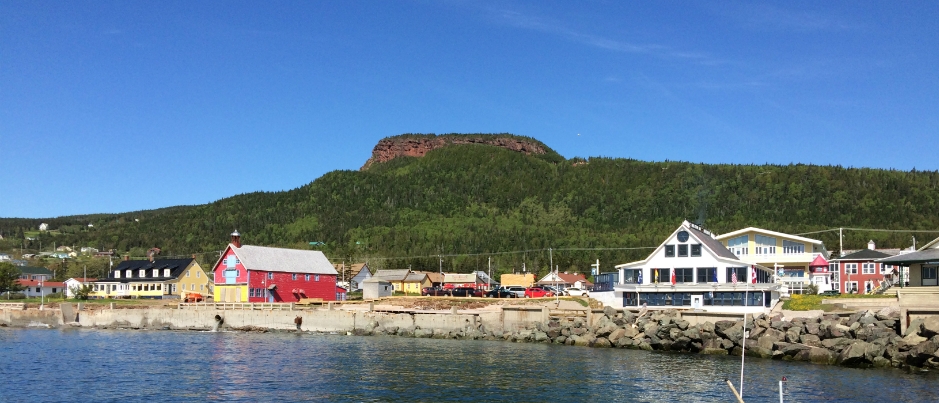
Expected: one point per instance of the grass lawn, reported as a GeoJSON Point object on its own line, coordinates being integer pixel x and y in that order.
{"type": "Point", "coordinates": [803, 302]}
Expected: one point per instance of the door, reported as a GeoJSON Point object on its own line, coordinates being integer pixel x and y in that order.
{"type": "Point", "coordinates": [697, 301]}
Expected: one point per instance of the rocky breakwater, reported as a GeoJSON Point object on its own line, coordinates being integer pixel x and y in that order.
{"type": "Point", "coordinates": [864, 339]}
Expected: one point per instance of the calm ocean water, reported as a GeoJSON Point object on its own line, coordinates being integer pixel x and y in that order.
{"type": "Point", "coordinates": [115, 365]}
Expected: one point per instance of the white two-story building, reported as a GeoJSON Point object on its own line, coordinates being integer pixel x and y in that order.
{"type": "Point", "coordinates": [794, 259]}
{"type": "Point", "coordinates": [691, 269]}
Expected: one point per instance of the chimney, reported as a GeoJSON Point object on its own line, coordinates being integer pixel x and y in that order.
{"type": "Point", "coordinates": [193, 256]}
{"type": "Point", "coordinates": [236, 239]}
{"type": "Point", "coordinates": [126, 257]}
{"type": "Point", "coordinates": [870, 244]}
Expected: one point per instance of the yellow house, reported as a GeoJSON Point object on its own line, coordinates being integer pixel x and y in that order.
{"type": "Point", "coordinates": [415, 282]}
{"type": "Point", "coordinates": [193, 281]}
{"type": "Point", "coordinates": [160, 278]}
{"type": "Point", "coordinates": [788, 255]}
{"type": "Point", "coordinates": [395, 277]}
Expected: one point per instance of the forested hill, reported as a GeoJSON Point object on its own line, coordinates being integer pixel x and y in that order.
{"type": "Point", "coordinates": [466, 199]}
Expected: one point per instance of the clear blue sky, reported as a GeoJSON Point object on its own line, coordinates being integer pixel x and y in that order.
{"type": "Point", "coordinates": [129, 105]}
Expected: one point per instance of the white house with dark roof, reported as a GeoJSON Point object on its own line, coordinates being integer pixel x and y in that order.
{"type": "Point", "coordinates": [693, 270]}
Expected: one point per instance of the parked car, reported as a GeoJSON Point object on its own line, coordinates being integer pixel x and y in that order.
{"type": "Point", "coordinates": [517, 290]}
{"type": "Point", "coordinates": [434, 292]}
{"type": "Point", "coordinates": [465, 292]}
{"type": "Point", "coordinates": [576, 292]}
{"type": "Point", "coordinates": [553, 289]}
{"type": "Point", "coordinates": [501, 293]}
{"type": "Point", "coordinates": [537, 292]}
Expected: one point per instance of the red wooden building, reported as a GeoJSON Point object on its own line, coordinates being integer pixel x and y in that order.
{"type": "Point", "coordinates": [247, 273]}
{"type": "Point", "coordinates": [859, 272]}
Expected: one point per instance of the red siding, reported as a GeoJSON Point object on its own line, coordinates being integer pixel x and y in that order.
{"type": "Point", "coordinates": [325, 288]}
{"type": "Point", "coordinates": [860, 278]}
{"type": "Point", "coordinates": [219, 270]}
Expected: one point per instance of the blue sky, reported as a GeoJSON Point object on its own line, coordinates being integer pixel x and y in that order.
{"type": "Point", "coordinates": [122, 106]}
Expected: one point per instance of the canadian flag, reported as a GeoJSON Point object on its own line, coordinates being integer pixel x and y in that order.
{"type": "Point", "coordinates": [753, 274]}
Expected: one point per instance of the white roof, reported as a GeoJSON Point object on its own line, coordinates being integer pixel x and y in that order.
{"type": "Point", "coordinates": [767, 232]}
{"type": "Point", "coordinates": [263, 258]}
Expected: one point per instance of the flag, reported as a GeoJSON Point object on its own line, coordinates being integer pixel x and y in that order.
{"type": "Point", "coordinates": [673, 276]}
{"type": "Point", "coordinates": [714, 277]}
{"type": "Point", "coordinates": [753, 274]}
{"type": "Point", "coordinates": [733, 277]}
{"type": "Point", "coordinates": [656, 276]}
{"type": "Point", "coordinates": [639, 278]}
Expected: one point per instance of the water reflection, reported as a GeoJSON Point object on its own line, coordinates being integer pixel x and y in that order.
{"type": "Point", "coordinates": [174, 366]}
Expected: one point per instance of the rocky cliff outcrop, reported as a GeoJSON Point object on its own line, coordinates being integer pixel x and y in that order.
{"type": "Point", "coordinates": [419, 145]}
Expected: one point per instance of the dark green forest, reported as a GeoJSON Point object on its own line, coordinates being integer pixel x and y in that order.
{"type": "Point", "coordinates": [466, 203]}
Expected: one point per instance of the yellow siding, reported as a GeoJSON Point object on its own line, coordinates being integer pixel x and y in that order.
{"type": "Point", "coordinates": [193, 280]}
{"type": "Point", "coordinates": [231, 293]}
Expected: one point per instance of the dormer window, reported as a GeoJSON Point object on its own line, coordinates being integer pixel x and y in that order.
{"type": "Point", "coordinates": [117, 274]}
{"type": "Point", "coordinates": [166, 272]}
{"type": "Point", "coordinates": [156, 272]}
{"type": "Point", "coordinates": [128, 273]}
{"type": "Point", "coordinates": [669, 250]}
{"type": "Point", "coordinates": [142, 273]}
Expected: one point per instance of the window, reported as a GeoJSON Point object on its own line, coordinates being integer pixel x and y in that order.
{"type": "Point", "coordinates": [696, 250]}
{"type": "Point", "coordinates": [790, 247]}
{"type": "Point", "coordinates": [850, 286]}
{"type": "Point", "coordinates": [684, 275]}
{"type": "Point", "coordinates": [294, 276]}
{"type": "Point", "coordinates": [660, 275]}
{"type": "Point", "coordinates": [174, 288]}
{"type": "Point", "coordinates": [166, 272]}
{"type": "Point", "coordinates": [198, 273]}
{"type": "Point", "coordinates": [850, 268]}
{"type": "Point", "coordinates": [669, 250]}
{"type": "Point", "coordinates": [632, 276]}
{"type": "Point", "coordinates": [738, 245]}
{"type": "Point", "coordinates": [868, 268]}
{"type": "Point", "coordinates": [681, 299]}
{"type": "Point", "coordinates": [306, 277]}
{"type": "Point", "coordinates": [707, 274]}
{"type": "Point", "coordinates": [192, 287]}
{"type": "Point", "coordinates": [765, 245]}
{"type": "Point", "coordinates": [741, 274]}
{"type": "Point", "coordinates": [929, 275]}
{"type": "Point", "coordinates": [117, 274]}
{"type": "Point", "coordinates": [270, 275]}
{"type": "Point", "coordinates": [188, 273]}
{"type": "Point", "coordinates": [683, 250]}
{"type": "Point", "coordinates": [833, 267]}
{"type": "Point", "coordinates": [250, 292]}
{"type": "Point", "coordinates": [201, 287]}
{"type": "Point", "coordinates": [128, 273]}
{"type": "Point", "coordinates": [142, 273]}
{"type": "Point", "coordinates": [316, 277]}
{"type": "Point", "coordinates": [886, 268]}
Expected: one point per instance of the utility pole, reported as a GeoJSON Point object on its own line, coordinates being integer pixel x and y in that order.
{"type": "Point", "coordinates": [489, 282]}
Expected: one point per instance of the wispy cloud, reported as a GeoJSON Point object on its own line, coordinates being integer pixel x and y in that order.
{"type": "Point", "coordinates": [768, 16]}
{"type": "Point", "coordinates": [554, 27]}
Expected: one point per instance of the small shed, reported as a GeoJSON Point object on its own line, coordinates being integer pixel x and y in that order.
{"type": "Point", "coordinates": [375, 288]}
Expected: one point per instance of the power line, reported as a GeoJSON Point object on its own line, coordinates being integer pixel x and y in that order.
{"type": "Point", "coordinates": [872, 230]}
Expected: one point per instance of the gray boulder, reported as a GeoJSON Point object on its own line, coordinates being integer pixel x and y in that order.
{"type": "Point", "coordinates": [810, 340]}
{"type": "Point", "coordinates": [601, 342]}
{"type": "Point", "coordinates": [914, 327]}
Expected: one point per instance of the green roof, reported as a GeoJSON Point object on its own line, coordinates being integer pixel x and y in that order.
{"type": "Point", "coordinates": [34, 270]}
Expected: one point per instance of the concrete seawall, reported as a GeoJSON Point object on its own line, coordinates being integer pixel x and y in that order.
{"type": "Point", "coordinates": [310, 320]}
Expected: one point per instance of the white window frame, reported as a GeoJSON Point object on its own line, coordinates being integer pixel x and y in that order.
{"type": "Point", "coordinates": [117, 274]}
{"type": "Point", "coordinates": [793, 248]}
{"type": "Point", "coordinates": [765, 245]}
{"type": "Point", "coordinates": [740, 245]}
{"type": "Point", "coordinates": [868, 268]}
{"type": "Point", "coordinates": [142, 273]}
{"type": "Point", "coordinates": [885, 268]}
{"type": "Point", "coordinates": [851, 285]}
{"type": "Point", "coordinates": [850, 268]}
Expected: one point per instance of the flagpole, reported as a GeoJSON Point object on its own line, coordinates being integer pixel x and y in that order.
{"type": "Point", "coordinates": [743, 341]}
